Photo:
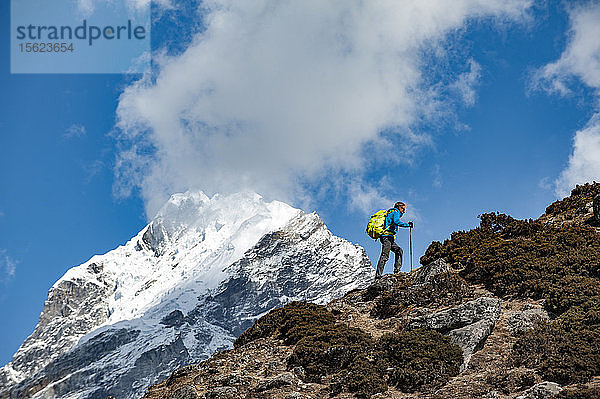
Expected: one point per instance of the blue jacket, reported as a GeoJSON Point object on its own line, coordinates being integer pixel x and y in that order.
{"type": "Point", "coordinates": [392, 222]}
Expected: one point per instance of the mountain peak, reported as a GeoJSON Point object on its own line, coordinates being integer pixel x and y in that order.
{"type": "Point", "coordinates": [194, 217]}
{"type": "Point", "coordinates": [185, 286]}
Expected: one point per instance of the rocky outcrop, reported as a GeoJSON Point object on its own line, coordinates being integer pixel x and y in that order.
{"type": "Point", "coordinates": [74, 307]}
{"type": "Point", "coordinates": [543, 390]}
{"type": "Point", "coordinates": [425, 274]}
{"type": "Point", "coordinates": [467, 325]}
{"type": "Point", "coordinates": [483, 327]}
{"type": "Point", "coordinates": [519, 322]}
{"type": "Point", "coordinates": [484, 308]}
{"type": "Point", "coordinates": [487, 301]}
{"type": "Point", "coordinates": [260, 368]}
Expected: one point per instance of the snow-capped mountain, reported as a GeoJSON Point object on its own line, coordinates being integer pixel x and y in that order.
{"type": "Point", "coordinates": [190, 282]}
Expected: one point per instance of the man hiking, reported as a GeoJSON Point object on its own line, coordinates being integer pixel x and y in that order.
{"type": "Point", "coordinates": [392, 222]}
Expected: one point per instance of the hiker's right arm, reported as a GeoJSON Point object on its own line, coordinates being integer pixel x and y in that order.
{"type": "Point", "coordinates": [396, 220]}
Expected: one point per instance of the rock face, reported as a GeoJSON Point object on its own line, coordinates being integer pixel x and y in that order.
{"type": "Point", "coordinates": [425, 274]}
{"type": "Point", "coordinates": [467, 325]}
{"type": "Point", "coordinates": [190, 282]}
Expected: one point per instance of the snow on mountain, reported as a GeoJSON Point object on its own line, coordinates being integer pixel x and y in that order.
{"type": "Point", "coordinates": [191, 281]}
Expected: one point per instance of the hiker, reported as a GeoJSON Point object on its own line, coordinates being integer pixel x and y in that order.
{"type": "Point", "coordinates": [392, 222]}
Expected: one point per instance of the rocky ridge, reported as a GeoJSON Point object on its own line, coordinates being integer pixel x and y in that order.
{"type": "Point", "coordinates": [519, 300]}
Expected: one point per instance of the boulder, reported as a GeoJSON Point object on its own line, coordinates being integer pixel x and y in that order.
{"type": "Point", "coordinates": [471, 338]}
{"type": "Point", "coordinates": [542, 390]}
{"type": "Point", "coordinates": [519, 322]}
{"type": "Point", "coordinates": [426, 273]}
{"type": "Point", "coordinates": [468, 325]}
{"type": "Point", "coordinates": [460, 316]}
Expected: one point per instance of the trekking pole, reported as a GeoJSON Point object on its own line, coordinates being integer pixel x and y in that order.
{"type": "Point", "coordinates": [410, 246]}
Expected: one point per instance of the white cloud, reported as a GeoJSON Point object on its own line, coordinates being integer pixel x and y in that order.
{"type": "Point", "coordinates": [466, 83]}
{"type": "Point", "coordinates": [584, 162]}
{"type": "Point", "coordinates": [75, 130]}
{"type": "Point", "coordinates": [8, 266]}
{"type": "Point", "coordinates": [367, 198]}
{"type": "Point", "coordinates": [273, 93]}
{"type": "Point", "coordinates": [580, 60]}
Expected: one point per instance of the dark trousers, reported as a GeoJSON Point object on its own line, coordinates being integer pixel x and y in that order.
{"type": "Point", "coordinates": [387, 244]}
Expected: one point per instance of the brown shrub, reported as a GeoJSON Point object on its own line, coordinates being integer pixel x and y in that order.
{"type": "Point", "coordinates": [566, 349]}
{"type": "Point", "coordinates": [571, 291]}
{"type": "Point", "coordinates": [419, 359]}
{"type": "Point", "coordinates": [364, 377]}
{"type": "Point", "coordinates": [329, 350]}
{"type": "Point", "coordinates": [520, 257]}
{"type": "Point", "coordinates": [580, 196]}
{"type": "Point", "coordinates": [290, 323]}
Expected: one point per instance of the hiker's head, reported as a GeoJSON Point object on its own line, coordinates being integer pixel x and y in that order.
{"type": "Point", "coordinates": [400, 206]}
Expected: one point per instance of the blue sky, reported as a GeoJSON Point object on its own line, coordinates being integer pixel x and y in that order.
{"type": "Point", "coordinates": [456, 108]}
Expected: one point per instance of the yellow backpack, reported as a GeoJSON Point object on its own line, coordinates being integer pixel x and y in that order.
{"type": "Point", "coordinates": [375, 227]}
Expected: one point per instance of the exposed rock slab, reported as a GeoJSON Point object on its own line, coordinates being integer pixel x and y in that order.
{"type": "Point", "coordinates": [543, 390]}
{"type": "Point", "coordinates": [460, 316]}
{"type": "Point", "coordinates": [468, 325]}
